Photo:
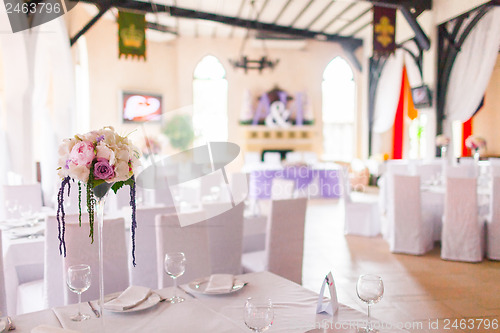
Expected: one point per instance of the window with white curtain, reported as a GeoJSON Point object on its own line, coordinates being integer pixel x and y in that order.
{"type": "Point", "coordinates": [209, 101]}
{"type": "Point", "coordinates": [339, 111]}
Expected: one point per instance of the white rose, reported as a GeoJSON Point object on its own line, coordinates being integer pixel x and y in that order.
{"type": "Point", "coordinates": [103, 151]}
{"type": "Point", "coordinates": [80, 172]}
{"type": "Point", "coordinates": [122, 171]}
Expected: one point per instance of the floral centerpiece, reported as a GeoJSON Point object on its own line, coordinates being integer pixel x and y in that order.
{"type": "Point", "coordinates": [442, 140]}
{"type": "Point", "coordinates": [99, 160]}
{"type": "Point", "coordinates": [475, 142]}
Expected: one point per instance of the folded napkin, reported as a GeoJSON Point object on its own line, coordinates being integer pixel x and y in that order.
{"type": "Point", "coordinates": [51, 329]}
{"type": "Point", "coordinates": [131, 297]}
{"type": "Point", "coordinates": [220, 283]}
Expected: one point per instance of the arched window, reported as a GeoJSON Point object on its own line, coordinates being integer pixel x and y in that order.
{"type": "Point", "coordinates": [209, 101]}
{"type": "Point", "coordinates": [339, 111]}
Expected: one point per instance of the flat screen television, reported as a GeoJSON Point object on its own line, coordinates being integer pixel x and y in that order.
{"type": "Point", "coordinates": [141, 107]}
{"type": "Point", "coordinates": [421, 96]}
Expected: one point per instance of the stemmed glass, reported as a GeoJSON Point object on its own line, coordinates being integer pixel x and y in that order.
{"type": "Point", "coordinates": [259, 314]}
{"type": "Point", "coordinates": [175, 266]}
{"type": "Point", "coordinates": [78, 281]}
{"type": "Point", "coordinates": [370, 289]}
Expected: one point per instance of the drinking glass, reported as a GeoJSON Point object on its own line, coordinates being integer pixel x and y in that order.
{"type": "Point", "coordinates": [78, 281]}
{"type": "Point", "coordinates": [370, 289]}
{"type": "Point", "coordinates": [175, 266]}
{"type": "Point", "coordinates": [259, 314]}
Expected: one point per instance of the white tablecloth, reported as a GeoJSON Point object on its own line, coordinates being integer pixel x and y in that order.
{"type": "Point", "coordinates": [295, 311]}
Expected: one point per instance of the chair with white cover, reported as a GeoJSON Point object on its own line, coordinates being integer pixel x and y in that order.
{"type": "Point", "coordinates": [21, 197]}
{"type": "Point", "coordinates": [49, 291]}
{"type": "Point", "coordinates": [145, 272]}
{"type": "Point", "coordinates": [225, 236]}
{"type": "Point", "coordinates": [3, 301]}
{"type": "Point", "coordinates": [284, 242]}
{"type": "Point", "coordinates": [192, 240]}
{"type": "Point", "coordinates": [463, 229]}
{"type": "Point", "coordinates": [493, 223]}
{"type": "Point", "coordinates": [409, 232]}
{"type": "Point", "coordinates": [272, 160]}
{"type": "Point", "coordinates": [462, 170]}
{"type": "Point", "coordinates": [362, 216]}
{"type": "Point", "coordinates": [80, 250]}
{"type": "Point", "coordinates": [282, 188]}
{"type": "Point", "coordinates": [293, 157]}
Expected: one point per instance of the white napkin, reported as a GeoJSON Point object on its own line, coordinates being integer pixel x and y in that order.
{"type": "Point", "coordinates": [220, 283]}
{"type": "Point", "coordinates": [333, 305]}
{"type": "Point", "coordinates": [131, 297]}
{"type": "Point", "coordinates": [51, 329]}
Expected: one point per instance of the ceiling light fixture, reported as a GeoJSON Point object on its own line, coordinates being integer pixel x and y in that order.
{"type": "Point", "coordinates": [244, 61]}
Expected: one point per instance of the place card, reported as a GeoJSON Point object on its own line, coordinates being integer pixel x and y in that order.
{"type": "Point", "coordinates": [333, 305]}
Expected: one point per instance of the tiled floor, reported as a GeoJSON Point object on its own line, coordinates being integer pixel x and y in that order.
{"type": "Point", "coordinates": [418, 289]}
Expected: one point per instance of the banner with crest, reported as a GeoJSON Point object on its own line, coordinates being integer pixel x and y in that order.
{"type": "Point", "coordinates": [132, 34]}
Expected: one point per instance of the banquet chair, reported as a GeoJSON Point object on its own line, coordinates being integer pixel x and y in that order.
{"type": "Point", "coordinates": [145, 271]}
{"type": "Point", "coordinates": [191, 239]}
{"type": "Point", "coordinates": [225, 236]}
{"type": "Point", "coordinates": [21, 197]}
{"type": "Point", "coordinates": [272, 160]}
{"type": "Point", "coordinates": [282, 188]}
{"type": "Point", "coordinates": [361, 215]}
{"type": "Point", "coordinates": [48, 291]}
{"type": "Point", "coordinates": [493, 223]}
{"type": "Point", "coordinates": [284, 241]}
{"type": "Point", "coordinates": [463, 229]}
{"type": "Point", "coordinates": [240, 182]}
{"type": "Point", "coordinates": [3, 300]}
{"type": "Point", "coordinates": [409, 232]}
{"type": "Point", "coordinates": [293, 157]}
{"type": "Point", "coordinates": [80, 250]}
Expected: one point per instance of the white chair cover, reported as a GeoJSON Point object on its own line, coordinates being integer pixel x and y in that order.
{"type": "Point", "coordinates": [463, 230]}
{"type": "Point", "coordinates": [432, 202]}
{"type": "Point", "coordinates": [409, 233]}
{"type": "Point", "coordinates": [284, 242]}
{"type": "Point", "coordinates": [493, 226]}
{"type": "Point", "coordinates": [282, 188]}
{"type": "Point", "coordinates": [462, 170]}
{"type": "Point", "coordinates": [272, 159]}
{"type": "Point", "coordinates": [145, 272]}
{"type": "Point", "coordinates": [225, 235]}
{"type": "Point", "coordinates": [28, 196]}
{"type": "Point", "coordinates": [3, 299]}
{"type": "Point", "coordinates": [392, 167]}
{"type": "Point", "coordinates": [192, 240]}
{"type": "Point", "coordinates": [239, 186]}
{"type": "Point", "coordinates": [362, 216]}
{"type": "Point", "coordinates": [293, 157]}
{"type": "Point", "coordinates": [80, 250]}
{"type": "Point", "coordinates": [53, 281]}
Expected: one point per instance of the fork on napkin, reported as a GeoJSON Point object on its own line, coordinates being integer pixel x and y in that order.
{"type": "Point", "coordinates": [51, 329]}
{"type": "Point", "coordinates": [220, 283]}
{"type": "Point", "coordinates": [130, 298]}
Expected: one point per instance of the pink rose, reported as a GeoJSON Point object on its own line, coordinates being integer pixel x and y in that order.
{"type": "Point", "coordinates": [102, 169]}
{"type": "Point", "coordinates": [82, 153]}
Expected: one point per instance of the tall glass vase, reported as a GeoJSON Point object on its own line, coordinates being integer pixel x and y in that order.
{"type": "Point", "coordinates": [101, 193]}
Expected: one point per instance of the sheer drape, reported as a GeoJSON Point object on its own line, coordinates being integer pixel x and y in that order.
{"type": "Point", "coordinates": [473, 67]}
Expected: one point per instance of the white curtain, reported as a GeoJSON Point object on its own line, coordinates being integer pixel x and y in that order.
{"type": "Point", "coordinates": [53, 108]}
{"type": "Point", "coordinates": [389, 87]}
{"type": "Point", "coordinates": [473, 67]}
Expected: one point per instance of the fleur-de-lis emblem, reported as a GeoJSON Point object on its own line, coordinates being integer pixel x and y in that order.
{"type": "Point", "coordinates": [385, 31]}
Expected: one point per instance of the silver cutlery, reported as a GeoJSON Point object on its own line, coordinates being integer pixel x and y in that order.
{"type": "Point", "coordinates": [94, 310]}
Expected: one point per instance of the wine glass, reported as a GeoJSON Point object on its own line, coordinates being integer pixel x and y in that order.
{"type": "Point", "coordinates": [175, 266]}
{"type": "Point", "coordinates": [78, 281]}
{"type": "Point", "coordinates": [259, 314]}
{"type": "Point", "coordinates": [370, 289]}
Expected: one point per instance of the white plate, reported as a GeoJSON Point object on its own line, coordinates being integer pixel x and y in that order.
{"type": "Point", "coordinates": [200, 285]}
{"type": "Point", "coordinates": [151, 301]}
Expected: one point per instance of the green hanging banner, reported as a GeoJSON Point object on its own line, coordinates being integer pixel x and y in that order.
{"type": "Point", "coordinates": [132, 34]}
